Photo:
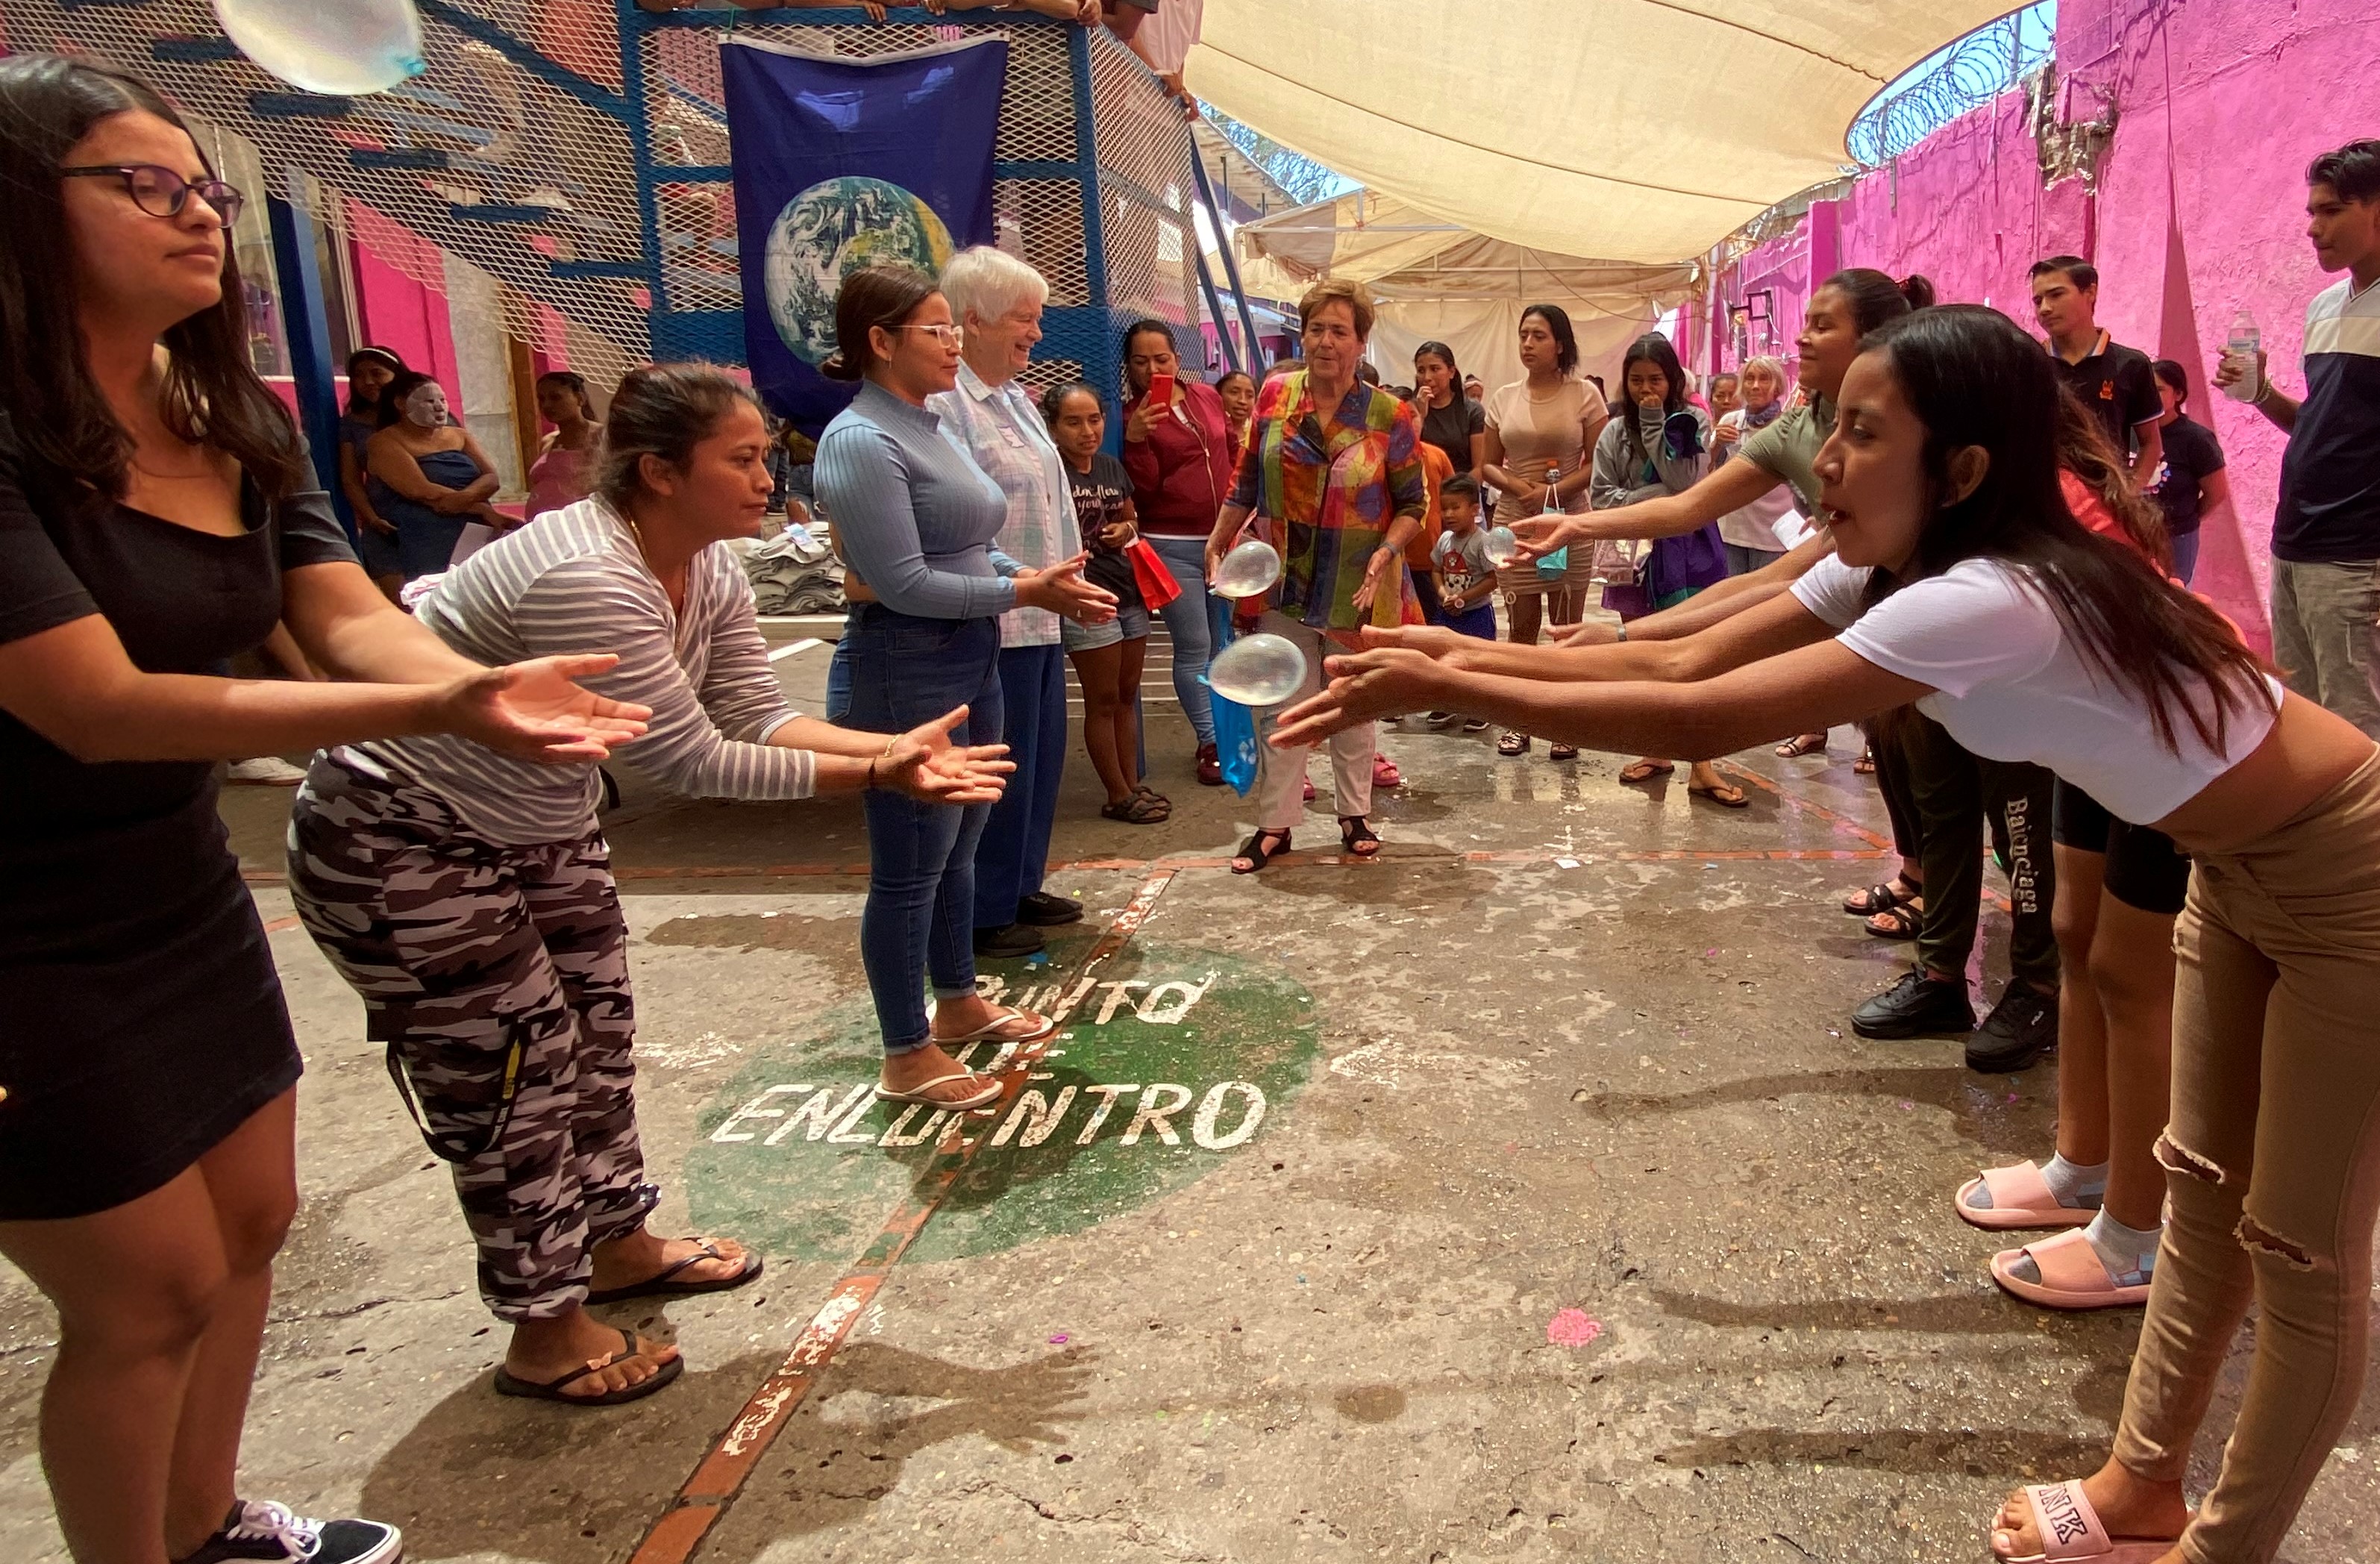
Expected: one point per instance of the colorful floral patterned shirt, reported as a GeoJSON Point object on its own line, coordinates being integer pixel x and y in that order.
{"type": "Point", "coordinates": [1332, 487]}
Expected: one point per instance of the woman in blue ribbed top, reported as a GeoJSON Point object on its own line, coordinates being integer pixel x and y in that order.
{"type": "Point", "coordinates": [915, 518]}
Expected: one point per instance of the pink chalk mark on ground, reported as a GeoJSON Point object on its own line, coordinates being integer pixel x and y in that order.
{"type": "Point", "coordinates": [1572, 1327]}
{"type": "Point", "coordinates": [1059, 1339]}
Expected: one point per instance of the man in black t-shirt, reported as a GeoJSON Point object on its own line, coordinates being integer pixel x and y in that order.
{"type": "Point", "coordinates": [2113, 380]}
{"type": "Point", "coordinates": [2191, 481]}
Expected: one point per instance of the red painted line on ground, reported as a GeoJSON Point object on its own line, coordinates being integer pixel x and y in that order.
{"type": "Point", "coordinates": [1794, 800]}
{"type": "Point", "coordinates": [706, 1494]}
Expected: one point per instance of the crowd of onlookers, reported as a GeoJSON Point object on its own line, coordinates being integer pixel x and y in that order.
{"type": "Point", "coordinates": [1975, 546]}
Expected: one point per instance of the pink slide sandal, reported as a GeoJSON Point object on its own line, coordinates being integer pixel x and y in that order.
{"type": "Point", "coordinates": [2020, 1198]}
{"type": "Point", "coordinates": [2073, 1276]}
{"type": "Point", "coordinates": [2070, 1533]}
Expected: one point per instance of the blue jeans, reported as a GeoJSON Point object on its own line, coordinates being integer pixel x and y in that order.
{"type": "Point", "coordinates": [1015, 848]}
{"type": "Point", "coordinates": [838, 674]}
{"type": "Point", "coordinates": [906, 671]}
{"type": "Point", "coordinates": [1186, 621]}
{"type": "Point", "coordinates": [2185, 555]}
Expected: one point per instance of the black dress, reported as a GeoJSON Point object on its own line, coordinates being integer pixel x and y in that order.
{"type": "Point", "coordinates": [141, 1020]}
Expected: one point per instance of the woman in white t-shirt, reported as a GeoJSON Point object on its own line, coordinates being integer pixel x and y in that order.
{"type": "Point", "coordinates": [1962, 582]}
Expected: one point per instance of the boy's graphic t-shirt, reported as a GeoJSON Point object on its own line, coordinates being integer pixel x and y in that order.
{"type": "Point", "coordinates": [1461, 561]}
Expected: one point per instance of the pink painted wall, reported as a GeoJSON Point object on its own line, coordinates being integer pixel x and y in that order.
{"type": "Point", "coordinates": [395, 312]}
{"type": "Point", "coordinates": [2199, 208]}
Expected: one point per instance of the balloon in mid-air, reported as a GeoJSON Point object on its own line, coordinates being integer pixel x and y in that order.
{"type": "Point", "coordinates": [1258, 671]}
{"type": "Point", "coordinates": [1248, 570]}
{"type": "Point", "coordinates": [347, 48]}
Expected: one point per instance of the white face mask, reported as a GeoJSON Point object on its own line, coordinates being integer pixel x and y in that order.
{"type": "Point", "coordinates": [426, 407]}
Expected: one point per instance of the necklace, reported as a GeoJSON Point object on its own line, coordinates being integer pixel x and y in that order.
{"type": "Point", "coordinates": [645, 557]}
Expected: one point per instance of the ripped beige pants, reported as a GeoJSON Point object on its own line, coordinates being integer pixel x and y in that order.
{"type": "Point", "coordinates": [2273, 1158]}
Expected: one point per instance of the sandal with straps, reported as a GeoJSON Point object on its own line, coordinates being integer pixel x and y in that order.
{"type": "Point", "coordinates": [1140, 809]}
{"type": "Point", "coordinates": [1355, 834]}
{"type": "Point", "coordinates": [1260, 850]}
{"type": "Point", "coordinates": [1881, 898]}
{"type": "Point", "coordinates": [665, 1284]}
{"type": "Point", "coordinates": [510, 1384]}
{"type": "Point", "coordinates": [1903, 922]}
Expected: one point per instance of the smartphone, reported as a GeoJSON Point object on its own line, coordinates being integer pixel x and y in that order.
{"type": "Point", "coordinates": [1161, 391]}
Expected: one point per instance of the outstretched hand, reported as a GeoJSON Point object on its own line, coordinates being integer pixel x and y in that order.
{"type": "Point", "coordinates": [1363, 687]}
{"type": "Point", "coordinates": [924, 764]}
{"type": "Point", "coordinates": [1541, 534]}
{"type": "Point", "coordinates": [536, 710]}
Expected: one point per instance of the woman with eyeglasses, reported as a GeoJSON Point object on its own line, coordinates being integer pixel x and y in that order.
{"type": "Point", "coordinates": [148, 1122]}
{"type": "Point", "coordinates": [917, 520]}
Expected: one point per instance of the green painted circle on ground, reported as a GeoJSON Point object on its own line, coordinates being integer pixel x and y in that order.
{"type": "Point", "coordinates": [1173, 1060]}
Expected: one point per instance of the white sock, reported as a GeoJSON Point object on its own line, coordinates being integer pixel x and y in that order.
{"type": "Point", "coordinates": [2130, 1254]}
{"type": "Point", "coordinates": [2074, 1185]}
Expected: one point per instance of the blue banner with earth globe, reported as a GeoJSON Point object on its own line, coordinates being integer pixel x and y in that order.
{"type": "Point", "coordinates": [841, 163]}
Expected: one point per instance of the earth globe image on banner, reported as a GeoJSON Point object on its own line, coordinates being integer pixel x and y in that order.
{"type": "Point", "coordinates": [356, 47]}
{"type": "Point", "coordinates": [831, 230]}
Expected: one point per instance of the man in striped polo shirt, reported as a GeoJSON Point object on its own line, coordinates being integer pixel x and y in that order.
{"type": "Point", "coordinates": [2326, 533]}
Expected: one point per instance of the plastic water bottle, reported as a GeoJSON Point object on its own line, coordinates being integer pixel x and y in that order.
{"type": "Point", "coordinates": [2241, 349]}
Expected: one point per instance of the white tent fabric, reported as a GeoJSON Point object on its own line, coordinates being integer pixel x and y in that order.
{"type": "Point", "coordinates": [1642, 131]}
{"type": "Point", "coordinates": [1439, 281]}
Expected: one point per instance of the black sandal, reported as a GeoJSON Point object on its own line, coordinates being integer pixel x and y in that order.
{"type": "Point", "coordinates": [1357, 835]}
{"type": "Point", "coordinates": [665, 1284]}
{"type": "Point", "coordinates": [1881, 898]}
{"type": "Point", "coordinates": [1140, 809]}
{"type": "Point", "coordinates": [1901, 922]}
{"type": "Point", "coordinates": [1257, 855]}
{"type": "Point", "coordinates": [508, 1383]}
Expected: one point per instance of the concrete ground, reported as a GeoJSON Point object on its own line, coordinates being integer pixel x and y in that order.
{"type": "Point", "coordinates": [1574, 1223]}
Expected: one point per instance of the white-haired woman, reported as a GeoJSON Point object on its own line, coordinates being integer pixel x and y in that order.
{"type": "Point", "coordinates": [997, 301]}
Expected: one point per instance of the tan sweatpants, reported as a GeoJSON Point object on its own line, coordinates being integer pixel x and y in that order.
{"type": "Point", "coordinates": [1281, 773]}
{"type": "Point", "coordinates": [2273, 1159]}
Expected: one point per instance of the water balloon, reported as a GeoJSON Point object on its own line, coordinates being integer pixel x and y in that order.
{"type": "Point", "coordinates": [1258, 671]}
{"type": "Point", "coordinates": [1247, 571]}
{"type": "Point", "coordinates": [1503, 548]}
{"type": "Point", "coordinates": [355, 47]}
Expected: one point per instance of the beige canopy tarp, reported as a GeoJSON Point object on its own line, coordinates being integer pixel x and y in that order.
{"type": "Point", "coordinates": [1640, 130]}
{"type": "Point", "coordinates": [1437, 281]}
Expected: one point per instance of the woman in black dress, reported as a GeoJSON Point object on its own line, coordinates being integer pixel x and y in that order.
{"type": "Point", "coordinates": [158, 516]}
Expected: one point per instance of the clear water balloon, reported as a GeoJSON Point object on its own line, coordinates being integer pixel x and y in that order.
{"type": "Point", "coordinates": [1258, 671]}
{"type": "Point", "coordinates": [353, 47]}
{"type": "Point", "coordinates": [1502, 547]}
{"type": "Point", "coordinates": [1247, 570]}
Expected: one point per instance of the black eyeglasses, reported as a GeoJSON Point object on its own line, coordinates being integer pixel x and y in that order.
{"type": "Point", "coordinates": [161, 192]}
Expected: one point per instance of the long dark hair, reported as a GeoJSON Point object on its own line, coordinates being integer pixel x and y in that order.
{"type": "Point", "coordinates": [1655, 349]}
{"type": "Point", "coordinates": [1973, 377]}
{"type": "Point", "coordinates": [871, 296]}
{"type": "Point", "coordinates": [211, 395]}
{"type": "Point", "coordinates": [2083, 450]}
{"type": "Point", "coordinates": [1876, 300]}
{"type": "Point", "coordinates": [1557, 319]}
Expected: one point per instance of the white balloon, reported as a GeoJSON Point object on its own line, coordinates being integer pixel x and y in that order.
{"type": "Point", "coordinates": [1258, 671]}
{"type": "Point", "coordinates": [347, 48]}
{"type": "Point", "coordinates": [1503, 546]}
{"type": "Point", "coordinates": [1247, 571]}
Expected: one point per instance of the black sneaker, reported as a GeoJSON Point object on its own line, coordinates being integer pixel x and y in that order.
{"type": "Point", "coordinates": [1045, 911]}
{"type": "Point", "coordinates": [1917, 1006]}
{"type": "Point", "coordinates": [1009, 940]}
{"type": "Point", "coordinates": [262, 1529]}
{"type": "Point", "coordinates": [2021, 1028]}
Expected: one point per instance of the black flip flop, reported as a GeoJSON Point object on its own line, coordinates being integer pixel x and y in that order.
{"type": "Point", "coordinates": [509, 1384]}
{"type": "Point", "coordinates": [663, 1284]}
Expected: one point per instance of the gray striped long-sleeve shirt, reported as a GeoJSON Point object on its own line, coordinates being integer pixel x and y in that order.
{"type": "Point", "coordinates": [574, 582]}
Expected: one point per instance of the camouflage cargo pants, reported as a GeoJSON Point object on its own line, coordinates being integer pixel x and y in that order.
{"type": "Point", "coordinates": [498, 977]}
